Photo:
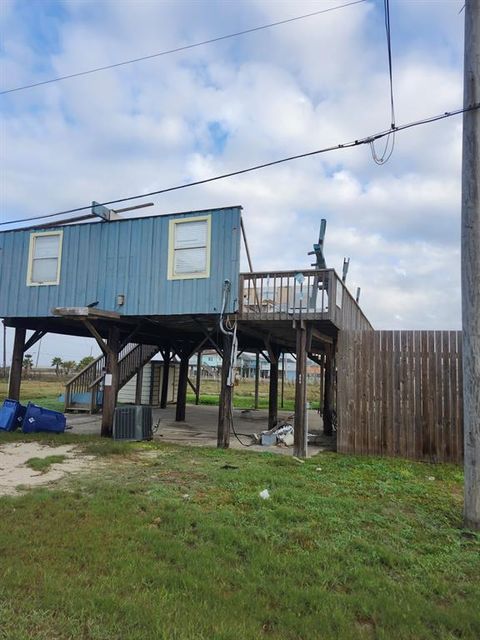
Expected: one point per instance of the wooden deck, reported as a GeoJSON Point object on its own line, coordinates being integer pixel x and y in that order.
{"type": "Point", "coordinates": [312, 294]}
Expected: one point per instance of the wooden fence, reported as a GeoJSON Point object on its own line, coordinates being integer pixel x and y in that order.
{"type": "Point", "coordinates": [399, 393]}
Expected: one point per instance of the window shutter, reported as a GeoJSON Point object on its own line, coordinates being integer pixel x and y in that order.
{"type": "Point", "coordinates": [44, 270]}
{"type": "Point", "coordinates": [190, 260]}
{"type": "Point", "coordinates": [189, 235]}
{"type": "Point", "coordinates": [46, 246]}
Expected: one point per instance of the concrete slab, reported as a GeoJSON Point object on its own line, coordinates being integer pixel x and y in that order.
{"type": "Point", "coordinates": [200, 428]}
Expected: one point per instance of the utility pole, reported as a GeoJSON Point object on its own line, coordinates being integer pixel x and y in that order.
{"type": "Point", "coordinates": [471, 265]}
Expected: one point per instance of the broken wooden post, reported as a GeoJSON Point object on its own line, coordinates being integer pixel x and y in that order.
{"type": "Point", "coordinates": [300, 427]}
{"type": "Point", "coordinates": [110, 383]}
{"type": "Point", "coordinates": [257, 378]}
{"type": "Point", "coordinates": [165, 373]}
{"type": "Point", "coordinates": [328, 394]}
{"type": "Point", "coordinates": [225, 407]}
{"type": "Point", "coordinates": [273, 389]}
{"type": "Point", "coordinates": [182, 388]}
{"type": "Point", "coordinates": [17, 364]}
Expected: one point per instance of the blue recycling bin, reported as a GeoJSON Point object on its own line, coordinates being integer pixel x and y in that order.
{"type": "Point", "coordinates": [11, 415]}
{"type": "Point", "coordinates": [39, 419]}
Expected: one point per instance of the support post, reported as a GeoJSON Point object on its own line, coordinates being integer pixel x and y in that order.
{"type": "Point", "coordinates": [282, 393]}
{"type": "Point", "coordinates": [328, 394]}
{"type": "Point", "coordinates": [182, 388]}
{"type": "Point", "coordinates": [17, 363]}
{"type": "Point", "coordinates": [165, 374]}
{"type": "Point", "coordinates": [199, 377]}
{"type": "Point", "coordinates": [257, 378]}
{"type": "Point", "coordinates": [273, 390]}
{"type": "Point", "coordinates": [4, 349]}
{"type": "Point", "coordinates": [300, 430]}
{"type": "Point", "coordinates": [138, 386]}
{"type": "Point", "coordinates": [226, 397]}
{"type": "Point", "coordinates": [471, 265]}
{"type": "Point", "coordinates": [110, 391]}
{"type": "Point", "coordinates": [321, 402]}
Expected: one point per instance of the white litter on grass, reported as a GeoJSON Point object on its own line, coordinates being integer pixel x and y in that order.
{"type": "Point", "coordinates": [431, 478]}
{"type": "Point", "coordinates": [318, 469]}
{"type": "Point", "coordinates": [264, 495]}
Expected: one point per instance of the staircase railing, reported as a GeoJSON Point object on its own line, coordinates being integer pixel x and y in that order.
{"type": "Point", "coordinates": [87, 381]}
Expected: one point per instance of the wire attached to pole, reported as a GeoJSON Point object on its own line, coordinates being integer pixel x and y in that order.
{"type": "Point", "coordinates": [385, 156]}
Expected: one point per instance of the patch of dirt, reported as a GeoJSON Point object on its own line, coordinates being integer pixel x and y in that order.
{"type": "Point", "coordinates": [14, 473]}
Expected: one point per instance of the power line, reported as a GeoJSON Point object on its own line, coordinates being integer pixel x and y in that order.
{"type": "Point", "coordinates": [389, 49]}
{"type": "Point", "coordinates": [346, 145]}
{"type": "Point", "coordinates": [184, 48]}
{"type": "Point", "coordinates": [390, 140]}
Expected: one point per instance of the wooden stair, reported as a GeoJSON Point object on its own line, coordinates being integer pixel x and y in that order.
{"type": "Point", "coordinates": [82, 392]}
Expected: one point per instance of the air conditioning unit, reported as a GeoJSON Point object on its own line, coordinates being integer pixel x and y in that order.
{"type": "Point", "coordinates": [132, 423]}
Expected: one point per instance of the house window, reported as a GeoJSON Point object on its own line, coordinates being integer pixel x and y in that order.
{"type": "Point", "coordinates": [44, 258]}
{"type": "Point", "coordinates": [189, 248]}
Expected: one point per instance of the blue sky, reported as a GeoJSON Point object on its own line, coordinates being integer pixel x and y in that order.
{"type": "Point", "coordinates": [244, 101]}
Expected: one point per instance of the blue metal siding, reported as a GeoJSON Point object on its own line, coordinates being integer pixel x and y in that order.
{"type": "Point", "coordinates": [102, 260]}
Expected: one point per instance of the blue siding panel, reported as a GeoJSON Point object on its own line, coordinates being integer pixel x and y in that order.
{"type": "Point", "coordinates": [104, 259]}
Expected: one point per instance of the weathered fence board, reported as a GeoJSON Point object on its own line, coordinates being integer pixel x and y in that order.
{"type": "Point", "coordinates": [399, 393]}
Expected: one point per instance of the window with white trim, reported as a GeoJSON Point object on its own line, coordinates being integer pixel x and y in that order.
{"type": "Point", "coordinates": [189, 248]}
{"type": "Point", "coordinates": [44, 258]}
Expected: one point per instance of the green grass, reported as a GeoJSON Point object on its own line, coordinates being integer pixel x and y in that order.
{"type": "Point", "coordinates": [43, 393]}
{"type": "Point", "coordinates": [43, 464]}
{"type": "Point", "coordinates": [172, 545]}
{"type": "Point", "coordinates": [244, 402]}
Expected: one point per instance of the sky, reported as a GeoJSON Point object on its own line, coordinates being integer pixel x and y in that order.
{"type": "Point", "coordinates": [244, 101]}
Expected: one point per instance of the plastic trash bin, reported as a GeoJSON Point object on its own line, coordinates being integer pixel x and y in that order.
{"type": "Point", "coordinates": [39, 419]}
{"type": "Point", "coordinates": [11, 415]}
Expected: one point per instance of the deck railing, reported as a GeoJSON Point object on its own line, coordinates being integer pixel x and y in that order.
{"type": "Point", "coordinates": [312, 294]}
{"type": "Point", "coordinates": [279, 295]}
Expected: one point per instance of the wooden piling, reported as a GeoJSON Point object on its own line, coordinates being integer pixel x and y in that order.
{"type": "Point", "coordinates": [225, 406]}
{"type": "Point", "coordinates": [328, 394]}
{"type": "Point", "coordinates": [300, 427]}
{"type": "Point", "coordinates": [110, 387]}
{"type": "Point", "coordinates": [17, 363]}
{"type": "Point", "coordinates": [138, 386]}
{"type": "Point", "coordinates": [273, 392]}
{"type": "Point", "coordinates": [198, 378]}
{"type": "Point", "coordinates": [165, 374]}
{"type": "Point", "coordinates": [257, 378]}
{"type": "Point", "coordinates": [182, 389]}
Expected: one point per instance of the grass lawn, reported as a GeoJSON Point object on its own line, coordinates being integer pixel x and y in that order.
{"type": "Point", "coordinates": [165, 542]}
{"type": "Point", "coordinates": [45, 393]}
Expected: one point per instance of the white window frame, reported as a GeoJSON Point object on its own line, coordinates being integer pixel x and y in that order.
{"type": "Point", "coordinates": [171, 249]}
{"type": "Point", "coordinates": [31, 258]}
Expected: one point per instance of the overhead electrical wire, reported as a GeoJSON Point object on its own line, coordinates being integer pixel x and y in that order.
{"type": "Point", "coordinates": [346, 145]}
{"type": "Point", "coordinates": [385, 156]}
{"type": "Point", "coordinates": [183, 48]}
